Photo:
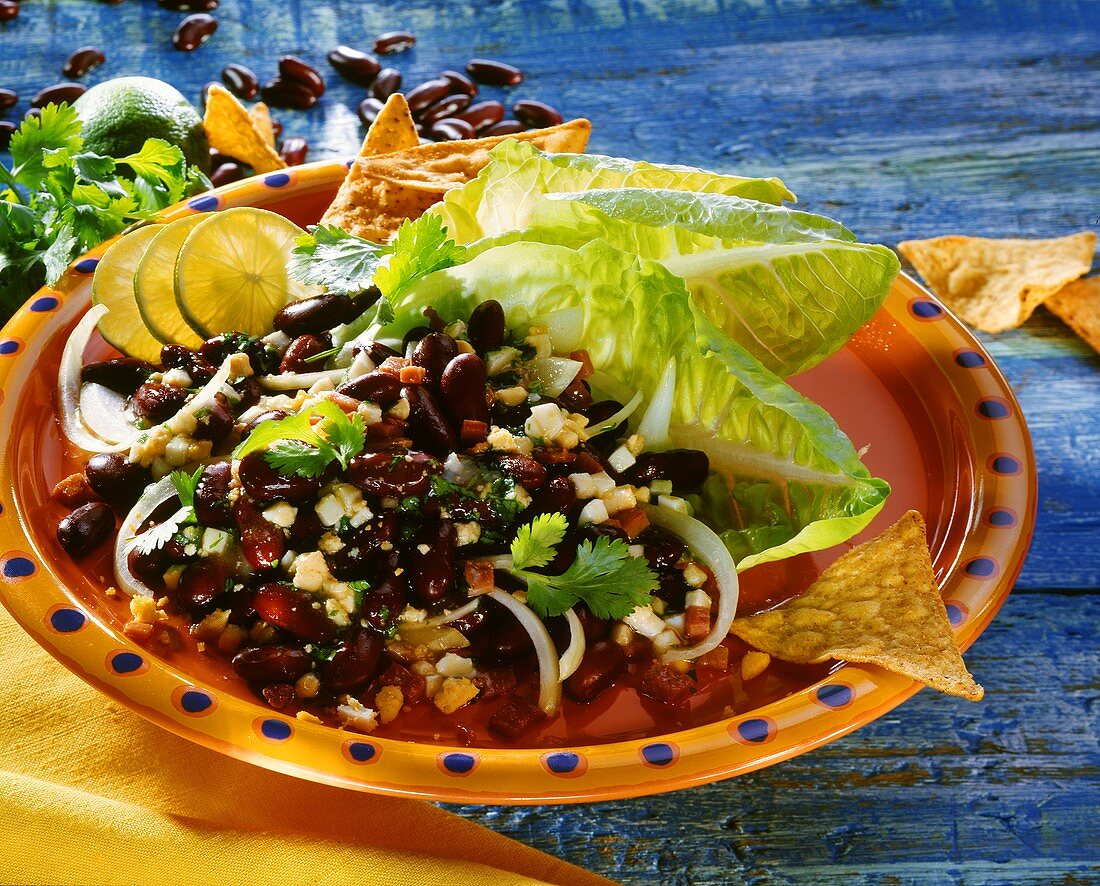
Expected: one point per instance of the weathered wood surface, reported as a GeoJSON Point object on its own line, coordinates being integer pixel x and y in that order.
{"type": "Point", "coordinates": [902, 120]}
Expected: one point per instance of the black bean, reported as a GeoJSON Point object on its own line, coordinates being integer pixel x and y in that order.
{"type": "Point", "coordinates": [188, 5]}
{"type": "Point", "coordinates": [381, 474]}
{"type": "Point", "coordinates": [386, 83]}
{"type": "Point", "coordinates": [298, 353]}
{"type": "Point", "coordinates": [283, 93]}
{"type": "Point", "coordinates": [482, 115]}
{"type": "Point", "coordinates": [211, 495]}
{"type": "Point", "coordinates": [429, 561]}
{"type": "Point", "coordinates": [155, 402]}
{"type": "Point", "coordinates": [448, 106]}
{"type": "Point", "coordinates": [486, 327]}
{"type": "Point", "coordinates": [121, 374]}
{"type": "Point", "coordinates": [263, 482]}
{"type": "Point", "coordinates": [194, 31]}
{"type": "Point", "coordinates": [369, 108]}
{"type": "Point", "coordinates": [427, 424]}
{"type": "Point", "coordinates": [82, 61]}
{"type": "Point", "coordinates": [460, 83]}
{"type": "Point", "coordinates": [355, 66]}
{"type": "Point", "coordinates": [495, 73]}
{"type": "Point", "coordinates": [86, 528]}
{"type": "Point", "coordinates": [683, 467]}
{"type": "Point", "coordinates": [300, 71]}
{"type": "Point", "coordinates": [114, 478]}
{"type": "Point", "coordinates": [504, 127]}
{"type": "Point", "coordinates": [241, 81]}
{"type": "Point", "coordinates": [427, 93]}
{"type": "Point", "coordinates": [293, 150]}
{"type": "Point", "coordinates": [450, 130]}
{"type": "Point", "coordinates": [393, 42]}
{"type": "Point", "coordinates": [7, 130]}
{"type": "Point", "coordinates": [8, 99]}
{"type": "Point", "coordinates": [226, 174]}
{"type": "Point", "coordinates": [312, 316]}
{"type": "Point", "coordinates": [536, 114]}
{"type": "Point", "coordinates": [432, 353]}
{"type": "Point", "coordinates": [58, 93]}
{"type": "Point", "coordinates": [9, 9]}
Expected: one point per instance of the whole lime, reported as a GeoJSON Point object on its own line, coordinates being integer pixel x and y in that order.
{"type": "Point", "coordinates": [120, 114]}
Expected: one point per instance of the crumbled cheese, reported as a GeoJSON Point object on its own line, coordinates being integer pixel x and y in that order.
{"type": "Point", "coordinates": [451, 665]}
{"type": "Point", "coordinates": [754, 664]}
{"type": "Point", "coordinates": [281, 514]}
{"type": "Point", "coordinates": [355, 715]}
{"type": "Point", "coordinates": [330, 543]}
{"type": "Point", "coordinates": [594, 512]}
{"type": "Point", "coordinates": [583, 485]}
{"type": "Point", "coordinates": [457, 468]}
{"type": "Point", "coordinates": [338, 610]}
{"type": "Point", "coordinates": [212, 625]}
{"type": "Point", "coordinates": [635, 443]}
{"type": "Point", "coordinates": [547, 420]}
{"type": "Point", "coordinates": [307, 717]}
{"type": "Point", "coordinates": [215, 541]}
{"type": "Point", "coordinates": [694, 576]}
{"type": "Point", "coordinates": [645, 621]}
{"type": "Point", "coordinates": [389, 700]}
{"type": "Point", "coordinates": [621, 498]}
{"type": "Point", "coordinates": [371, 413]}
{"type": "Point", "coordinates": [502, 440]}
{"type": "Point", "coordinates": [697, 597]}
{"type": "Point", "coordinates": [413, 615]}
{"type": "Point", "coordinates": [540, 341]}
{"type": "Point", "coordinates": [621, 459]}
{"type": "Point", "coordinates": [329, 510]}
{"type": "Point", "coordinates": [603, 483]}
{"type": "Point", "coordinates": [432, 684]}
{"type": "Point", "coordinates": [512, 396]}
{"type": "Point", "coordinates": [664, 641]}
{"type": "Point", "coordinates": [454, 693]}
{"type": "Point", "coordinates": [423, 548]}
{"type": "Point", "coordinates": [467, 533]}
{"type": "Point", "coordinates": [182, 450]}
{"type": "Point", "coordinates": [239, 365]}
{"type": "Point", "coordinates": [145, 610]}
{"type": "Point", "coordinates": [641, 493]}
{"type": "Point", "coordinates": [176, 378]}
{"type": "Point", "coordinates": [148, 446]}
{"type": "Point", "coordinates": [310, 572]}
{"type": "Point", "coordinates": [674, 503]}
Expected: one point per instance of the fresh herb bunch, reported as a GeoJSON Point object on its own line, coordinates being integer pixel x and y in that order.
{"type": "Point", "coordinates": [58, 200]}
{"type": "Point", "coordinates": [297, 446]}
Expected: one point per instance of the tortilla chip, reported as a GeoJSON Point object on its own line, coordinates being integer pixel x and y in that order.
{"type": "Point", "coordinates": [231, 130]}
{"type": "Point", "coordinates": [877, 604]}
{"type": "Point", "coordinates": [392, 130]}
{"type": "Point", "coordinates": [994, 285]}
{"type": "Point", "coordinates": [380, 193]}
{"type": "Point", "coordinates": [1079, 307]}
{"type": "Point", "coordinates": [261, 116]}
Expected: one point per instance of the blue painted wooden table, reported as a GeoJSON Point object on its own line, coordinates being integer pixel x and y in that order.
{"type": "Point", "coordinates": [903, 120]}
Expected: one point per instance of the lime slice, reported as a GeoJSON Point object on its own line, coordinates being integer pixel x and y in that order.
{"type": "Point", "coordinates": [154, 284]}
{"type": "Point", "coordinates": [113, 286]}
{"type": "Point", "coordinates": [231, 272]}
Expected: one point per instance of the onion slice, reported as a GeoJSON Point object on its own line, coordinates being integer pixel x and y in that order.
{"type": "Point", "coordinates": [613, 421]}
{"type": "Point", "coordinates": [455, 615]}
{"type": "Point", "coordinates": [549, 681]}
{"type": "Point", "coordinates": [73, 425]}
{"type": "Point", "coordinates": [300, 381]}
{"type": "Point", "coordinates": [655, 421]}
{"type": "Point", "coordinates": [571, 659]}
{"type": "Point", "coordinates": [706, 545]}
{"type": "Point", "coordinates": [104, 413]}
{"type": "Point", "coordinates": [154, 497]}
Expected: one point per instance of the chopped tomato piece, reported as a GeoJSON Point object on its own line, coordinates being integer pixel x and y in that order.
{"type": "Point", "coordinates": [495, 682]}
{"type": "Point", "coordinates": [393, 365]}
{"type": "Point", "coordinates": [412, 375]}
{"type": "Point", "coordinates": [74, 491]}
{"type": "Point", "coordinates": [718, 658]}
{"type": "Point", "coordinates": [473, 431]}
{"type": "Point", "coordinates": [480, 576]}
{"type": "Point", "coordinates": [633, 522]}
{"type": "Point", "coordinates": [696, 622]}
{"type": "Point", "coordinates": [667, 685]}
{"type": "Point", "coordinates": [516, 716]}
{"type": "Point", "coordinates": [581, 356]}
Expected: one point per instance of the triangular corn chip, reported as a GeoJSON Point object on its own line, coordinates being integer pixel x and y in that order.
{"type": "Point", "coordinates": [392, 130]}
{"type": "Point", "coordinates": [261, 116]}
{"type": "Point", "coordinates": [876, 604]}
{"type": "Point", "coordinates": [994, 285]}
{"type": "Point", "coordinates": [379, 193]}
{"type": "Point", "coordinates": [231, 130]}
{"type": "Point", "coordinates": [1079, 307]}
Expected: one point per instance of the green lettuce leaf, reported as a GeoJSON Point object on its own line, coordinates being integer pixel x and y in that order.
{"type": "Point", "coordinates": [502, 197]}
{"type": "Point", "coordinates": [786, 478]}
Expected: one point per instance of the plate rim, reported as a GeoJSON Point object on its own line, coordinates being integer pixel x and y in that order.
{"type": "Point", "coordinates": [614, 770]}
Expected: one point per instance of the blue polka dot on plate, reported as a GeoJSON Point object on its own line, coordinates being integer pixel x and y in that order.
{"type": "Point", "coordinates": [834, 695]}
{"type": "Point", "coordinates": [925, 310]}
{"type": "Point", "coordinates": [361, 751]}
{"type": "Point", "coordinates": [19, 567]}
{"type": "Point", "coordinates": [993, 408]}
{"type": "Point", "coordinates": [757, 730]}
{"type": "Point", "coordinates": [277, 180]}
{"type": "Point", "coordinates": [195, 702]}
{"type": "Point", "coordinates": [206, 203]}
{"type": "Point", "coordinates": [8, 347]}
{"type": "Point", "coordinates": [659, 754]}
{"type": "Point", "coordinates": [86, 265]}
{"type": "Point", "coordinates": [1001, 518]}
{"type": "Point", "coordinates": [126, 662]}
{"type": "Point", "coordinates": [44, 304]}
{"type": "Point", "coordinates": [969, 359]}
{"type": "Point", "coordinates": [981, 567]}
{"type": "Point", "coordinates": [276, 730]}
{"type": "Point", "coordinates": [955, 615]}
{"type": "Point", "coordinates": [67, 621]}
{"type": "Point", "coordinates": [458, 763]}
{"type": "Point", "coordinates": [1004, 464]}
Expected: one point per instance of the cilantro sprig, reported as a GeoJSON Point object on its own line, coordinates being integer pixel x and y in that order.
{"type": "Point", "coordinates": [295, 445]}
{"type": "Point", "coordinates": [604, 576]}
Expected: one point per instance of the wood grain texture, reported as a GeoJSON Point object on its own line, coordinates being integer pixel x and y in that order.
{"type": "Point", "coordinates": [902, 120]}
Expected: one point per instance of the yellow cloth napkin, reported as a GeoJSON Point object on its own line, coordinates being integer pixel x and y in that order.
{"type": "Point", "coordinates": [92, 793]}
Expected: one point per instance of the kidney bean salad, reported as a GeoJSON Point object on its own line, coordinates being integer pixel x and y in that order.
{"type": "Point", "coordinates": [440, 479]}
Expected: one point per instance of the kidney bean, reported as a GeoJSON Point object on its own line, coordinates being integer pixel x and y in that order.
{"type": "Point", "coordinates": [58, 93]}
{"type": "Point", "coordinates": [179, 357]}
{"type": "Point", "coordinates": [386, 600]}
{"type": "Point", "coordinates": [188, 5]}
{"type": "Point", "coordinates": [431, 572]}
{"type": "Point", "coordinates": [300, 71]}
{"type": "Point", "coordinates": [312, 316]}
{"type": "Point", "coordinates": [148, 567]}
{"type": "Point", "coordinates": [226, 174]}
{"type": "Point", "coordinates": [663, 550]}
{"type": "Point", "coordinates": [8, 99]}
{"type": "Point", "coordinates": [114, 478]}
{"type": "Point", "coordinates": [525, 471]}
{"type": "Point", "coordinates": [194, 31]}
{"type": "Point", "coordinates": [504, 127]}
{"type": "Point", "coordinates": [293, 150]}
{"type": "Point", "coordinates": [263, 482]}
{"type": "Point", "coordinates": [599, 412]}
{"type": "Point", "coordinates": [495, 682]}
{"type": "Point", "coordinates": [463, 387]}
{"type": "Point", "coordinates": [217, 423]}
{"type": "Point", "coordinates": [9, 9]}
{"type": "Point", "coordinates": [250, 391]}
{"type": "Point", "coordinates": [486, 327]}
{"type": "Point", "coordinates": [201, 583]}
{"type": "Point", "coordinates": [427, 425]}
{"type": "Point", "coordinates": [7, 130]}
{"type": "Point", "coordinates": [359, 558]}
{"type": "Point", "coordinates": [296, 357]}
{"type": "Point", "coordinates": [482, 115]}
{"type": "Point", "coordinates": [368, 110]}
{"type": "Point", "coordinates": [386, 83]}
{"type": "Point", "coordinates": [353, 65]}
{"type": "Point", "coordinates": [393, 42]}
{"type": "Point", "coordinates": [576, 396]}
{"type": "Point", "coordinates": [516, 717]}
{"type": "Point", "coordinates": [684, 467]}
{"type": "Point", "coordinates": [537, 114]}
{"type": "Point", "coordinates": [460, 83]}
{"type": "Point", "coordinates": [269, 415]}
{"type": "Point", "coordinates": [448, 106]}
{"type": "Point", "coordinates": [554, 497]}
{"type": "Point", "coordinates": [601, 666]}
{"type": "Point", "coordinates": [378, 352]}
{"type": "Point", "coordinates": [241, 81]}
{"type": "Point", "coordinates": [451, 129]}
{"type": "Point", "coordinates": [507, 637]}
{"type": "Point", "coordinates": [211, 502]}
{"type": "Point", "coordinates": [495, 73]}
{"type": "Point", "coordinates": [427, 93]}
{"type": "Point", "coordinates": [82, 61]}
{"type": "Point", "coordinates": [433, 352]}
{"type": "Point", "coordinates": [355, 662]}
{"type": "Point", "coordinates": [282, 92]}
{"type": "Point", "coordinates": [262, 543]}
{"type": "Point", "coordinates": [412, 685]}
{"type": "Point", "coordinates": [594, 628]}
{"type": "Point", "coordinates": [263, 664]}
{"type": "Point", "coordinates": [471, 624]}
{"type": "Point", "coordinates": [86, 528]}
{"type": "Point", "coordinates": [122, 374]}
{"type": "Point", "coordinates": [156, 402]}
{"type": "Point", "coordinates": [381, 474]}
{"type": "Point", "coordinates": [380, 387]}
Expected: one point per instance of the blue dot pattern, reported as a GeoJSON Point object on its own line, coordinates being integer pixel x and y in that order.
{"type": "Point", "coordinates": [361, 752]}
{"type": "Point", "coordinates": [126, 662]}
{"type": "Point", "coordinates": [992, 409]}
{"type": "Point", "coordinates": [276, 730]}
{"type": "Point", "coordinates": [954, 614]}
{"type": "Point", "coordinates": [754, 730]}
{"type": "Point", "coordinates": [458, 763]}
{"type": "Point", "coordinates": [1001, 518]}
{"type": "Point", "coordinates": [981, 567]}
{"type": "Point", "coordinates": [18, 567]}
{"type": "Point", "coordinates": [658, 754]}
{"type": "Point", "coordinates": [87, 265]}
{"type": "Point", "coordinates": [204, 204]}
{"type": "Point", "coordinates": [7, 346]}
{"type": "Point", "coordinates": [67, 620]}
{"type": "Point", "coordinates": [277, 180]}
{"type": "Point", "coordinates": [926, 310]}
{"type": "Point", "coordinates": [46, 303]}
{"type": "Point", "coordinates": [195, 702]}
{"type": "Point", "coordinates": [562, 762]}
{"type": "Point", "coordinates": [970, 359]}
{"type": "Point", "coordinates": [834, 696]}
{"type": "Point", "coordinates": [1005, 464]}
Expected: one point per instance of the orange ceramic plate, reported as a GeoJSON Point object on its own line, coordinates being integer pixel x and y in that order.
{"type": "Point", "coordinates": [941, 424]}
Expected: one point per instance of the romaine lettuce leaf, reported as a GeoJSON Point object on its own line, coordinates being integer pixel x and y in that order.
{"type": "Point", "coordinates": [786, 479]}
{"type": "Point", "coordinates": [503, 195]}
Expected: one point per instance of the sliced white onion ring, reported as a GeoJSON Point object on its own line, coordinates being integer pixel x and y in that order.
{"type": "Point", "coordinates": [154, 497]}
{"type": "Point", "coordinates": [455, 615]}
{"type": "Point", "coordinates": [554, 373]}
{"type": "Point", "coordinates": [566, 328]}
{"type": "Point", "coordinates": [73, 425]}
{"type": "Point", "coordinates": [205, 398]}
{"type": "Point", "coordinates": [300, 381]}
{"type": "Point", "coordinates": [655, 421]}
{"type": "Point", "coordinates": [571, 659]}
{"type": "Point", "coordinates": [105, 413]}
{"type": "Point", "coordinates": [708, 547]}
{"type": "Point", "coordinates": [549, 682]}
{"type": "Point", "coordinates": [613, 421]}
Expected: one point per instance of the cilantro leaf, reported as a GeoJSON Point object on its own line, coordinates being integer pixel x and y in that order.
{"type": "Point", "coordinates": [535, 542]}
{"type": "Point", "coordinates": [417, 249]}
{"type": "Point", "coordinates": [186, 484]}
{"type": "Point", "coordinates": [298, 446]}
{"type": "Point", "coordinates": [296, 457]}
{"type": "Point", "coordinates": [57, 129]}
{"type": "Point", "coordinates": [160, 535]}
{"type": "Point", "coordinates": [294, 427]}
{"type": "Point", "coordinates": [346, 436]}
{"type": "Point", "coordinates": [331, 257]}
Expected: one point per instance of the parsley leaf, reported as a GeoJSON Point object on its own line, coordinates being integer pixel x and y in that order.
{"type": "Point", "coordinates": [535, 541]}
